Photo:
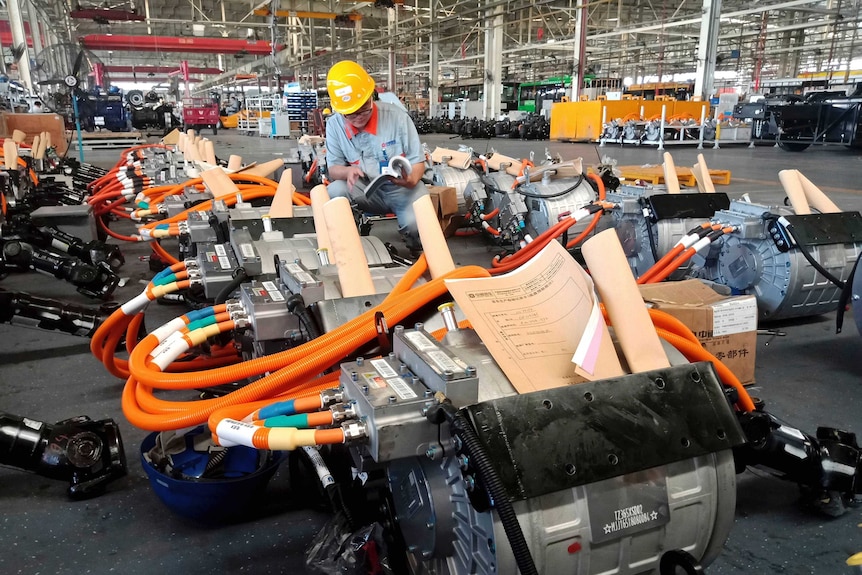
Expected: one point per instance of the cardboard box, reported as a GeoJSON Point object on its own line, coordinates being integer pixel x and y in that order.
{"type": "Point", "coordinates": [445, 202]}
{"type": "Point", "coordinates": [725, 325]}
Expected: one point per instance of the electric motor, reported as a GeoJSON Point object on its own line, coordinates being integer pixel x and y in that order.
{"type": "Point", "coordinates": [766, 257]}
{"type": "Point", "coordinates": [550, 200]}
{"type": "Point", "coordinates": [649, 222]}
{"type": "Point", "coordinates": [591, 493]}
{"type": "Point", "coordinates": [455, 178]}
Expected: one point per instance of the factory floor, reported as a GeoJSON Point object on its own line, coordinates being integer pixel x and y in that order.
{"type": "Point", "coordinates": [806, 374]}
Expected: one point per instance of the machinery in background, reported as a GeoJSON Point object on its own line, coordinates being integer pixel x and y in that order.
{"type": "Point", "coordinates": [98, 110]}
{"type": "Point", "coordinates": [795, 123]}
{"type": "Point", "coordinates": [88, 454]}
{"type": "Point", "coordinates": [149, 112]}
{"type": "Point", "coordinates": [200, 113]}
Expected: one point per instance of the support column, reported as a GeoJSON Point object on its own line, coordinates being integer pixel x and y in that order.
{"type": "Point", "coordinates": [35, 29]}
{"type": "Point", "coordinates": [493, 86]}
{"type": "Point", "coordinates": [580, 53]}
{"type": "Point", "coordinates": [19, 38]}
{"type": "Point", "coordinates": [433, 63]}
{"type": "Point", "coordinates": [358, 30]}
{"type": "Point", "coordinates": [391, 16]}
{"type": "Point", "coordinates": [707, 48]}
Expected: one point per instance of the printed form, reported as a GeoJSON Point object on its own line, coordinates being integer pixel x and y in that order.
{"type": "Point", "coordinates": [540, 322]}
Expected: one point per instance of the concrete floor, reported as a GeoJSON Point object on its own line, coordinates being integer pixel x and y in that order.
{"type": "Point", "coordinates": [809, 377]}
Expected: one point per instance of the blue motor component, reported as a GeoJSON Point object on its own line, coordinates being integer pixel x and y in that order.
{"type": "Point", "coordinates": [204, 482]}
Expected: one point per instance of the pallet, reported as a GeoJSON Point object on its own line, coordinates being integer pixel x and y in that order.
{"type": "Point", "coordinates": [655, 175]}
{"type": "Point", "coordinates": [106, 140]}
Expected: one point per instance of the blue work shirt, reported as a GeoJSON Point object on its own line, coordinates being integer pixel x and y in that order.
{"type": "Point", "coordinates": [390, 132]}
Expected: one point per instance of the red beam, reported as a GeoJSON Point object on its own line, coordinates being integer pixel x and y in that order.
{"type": "Point", "coordinates": [6, 33]}
{"type": "Point", "coordinates": [164, 70]}
{"type": "Point", "coordinates": [175, 44]}
{"type": "Point", "coordinates": [106, 15]}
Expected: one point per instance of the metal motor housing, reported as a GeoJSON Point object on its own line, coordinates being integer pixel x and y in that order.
{"type": "Point", "coordinates": [455, 178]}
{"type": "Point", "coordinates": [649, 222]}
{"type": "Point", "coordinates": [763, 259]}
{"type": "Point", "coordinates": [580, 521]}
{"type": "Point", "coordinates": [550, 200]}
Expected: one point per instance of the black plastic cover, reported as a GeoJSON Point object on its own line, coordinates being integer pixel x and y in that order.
{"type": "Point", "coordinates": [667, 206]}
{"type": "Point", "coordinates": [547, 441]}
{"type": "Point", "coordinates": [824, 229]}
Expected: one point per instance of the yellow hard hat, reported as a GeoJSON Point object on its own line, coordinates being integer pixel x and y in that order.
{"type": "Point", "coordinates": [349, 86]}
{"type": "Point", "coordinates": [327, 111]}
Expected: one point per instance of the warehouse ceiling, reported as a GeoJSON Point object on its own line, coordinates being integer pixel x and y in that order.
{"type": "Point", "coordinates": [625, 38]}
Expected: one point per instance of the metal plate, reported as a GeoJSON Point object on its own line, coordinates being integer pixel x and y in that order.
{"type": "Point", "coordinates": [822, 229]}
{"type": "Point", "coordinates": [666, 206]}
{"type": "Point", "coordinates": [288, 226]}
{"type": "Point", "coordinates": [546, 441]}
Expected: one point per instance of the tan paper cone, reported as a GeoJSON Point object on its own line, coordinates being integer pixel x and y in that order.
{"type": "Point", "coordinates": [319, 196]}
{"type": "Point", "coordinates": [282, 201]}
{"type": "Point", "coordinates": [347, 251]}
{"type": "Point", "coordinates": [671, 181]}
{"type": "Point", "coordinates": [619, 292]}
{"type": "Point", "coordinates": [793, 188]}
{"type": "Point", "coordinates": [433, 242]}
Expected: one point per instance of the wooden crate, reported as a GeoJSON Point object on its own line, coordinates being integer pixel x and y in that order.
{"type": "Point", "coordinates": [34, 124]}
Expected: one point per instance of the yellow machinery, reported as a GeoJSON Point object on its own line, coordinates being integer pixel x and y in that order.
{"type": "Point", "coordinates": [582, 121]}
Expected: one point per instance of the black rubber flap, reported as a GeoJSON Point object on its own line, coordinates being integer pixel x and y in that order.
{"type": "Point", "coordinates": [546, 441]}
{"type": "Point", "coordinates": [667, 206]}
{"type": "Point", "coordinates": [823, 229]}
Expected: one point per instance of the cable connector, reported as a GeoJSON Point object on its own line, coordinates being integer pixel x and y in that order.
{"type": "Point", "coordinates": [354, 430]}
{"type": "Point", "coordinates": [241, 322]}
{"type": "Point", "coordinates": [342, 412]}
{"type": "Point", "coordinates": [183, 228]}
{"type": "Point", "coordinates": [330, 396]}
{"type": "Point", "coordinates": [238, 315]}
{"type": "Point", "coordinates": [234, 305]}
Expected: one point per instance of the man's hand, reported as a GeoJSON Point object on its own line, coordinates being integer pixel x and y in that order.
{"type": "Point", "coordinates": [348, 173]}
{"type": "Point", "coordinates": [411, 179]}
{"type": "Point", "coordinates": [354, 173]}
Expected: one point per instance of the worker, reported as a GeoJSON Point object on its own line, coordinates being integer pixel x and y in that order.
{"type": "Point", "coordinates": [361, 137]}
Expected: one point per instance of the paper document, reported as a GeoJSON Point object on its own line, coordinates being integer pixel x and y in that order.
{"type": "Point", "coordinates": [541, 322]}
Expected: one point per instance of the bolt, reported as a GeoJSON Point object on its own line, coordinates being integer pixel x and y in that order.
{"type": "Point", "coordinates": [428, 393]}
{"type": "Point", "coordinates": [429, 525]}
{"type": "Point", "coordinates": [418, 326]}
{"type": "Point", "coordinates": [392, 399]}
{"type": "Point", "coordinates": [426, 554]}
{"type": "Point", "coordinates": [403, 369]}
{"type": "Point", "coordinates": [431, 452]}
{"type": "Point", "coordinates": [448, 374]}
{"type": "Point", "coordinates": [470, 371]}
{"type": "Point", "coordinates": [360, 361]}
{"type": "Point", "coordinates": [463, 462]}
{"type": "Point", "coordinates": [354, 376]}
{"type": "Point", "coordinates": [392, 356]}
{"type": "Point", "coordinates": [412, 548]}
{"type": "Point", "coordinates": [399, 329]}
{"type": "Point", "coordinates": [470, 483]}
{"type": "Point", "coordinates": [365, 389]}
{"type": "Point", "coordinates": [855, 297]}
